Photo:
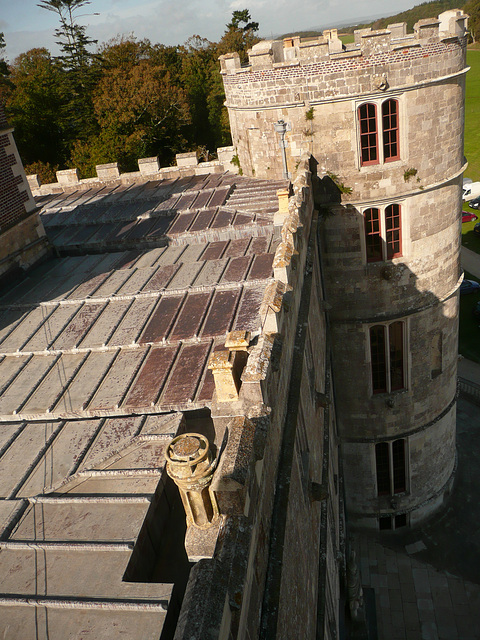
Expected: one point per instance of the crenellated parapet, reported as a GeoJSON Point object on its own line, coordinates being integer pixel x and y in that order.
{"type": "Point", "coordinates": [276, 54]}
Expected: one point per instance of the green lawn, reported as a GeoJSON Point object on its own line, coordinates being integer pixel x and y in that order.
{"type": "Point", "coordinates": [472, 115]}
{"type": "Point", "coordinates": [469, 334]}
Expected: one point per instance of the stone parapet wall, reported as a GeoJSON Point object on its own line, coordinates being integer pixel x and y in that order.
{"type": "Point", "coordinates": [268, 439]}
{"type": "Point", "coordinates": [149, 168]}
{"type": "Point", "coordinates": [393, 43]}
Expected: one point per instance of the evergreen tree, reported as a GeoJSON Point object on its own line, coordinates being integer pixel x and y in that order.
{"type": "Point", "coordinates": [80, 73]}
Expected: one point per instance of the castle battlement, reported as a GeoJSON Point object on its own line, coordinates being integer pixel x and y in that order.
{"type": "Point", "coordinates": [292, 51]}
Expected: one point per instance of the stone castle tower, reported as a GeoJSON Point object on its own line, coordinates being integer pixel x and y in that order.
{"type": "Point", "coordinates": [383, 118]}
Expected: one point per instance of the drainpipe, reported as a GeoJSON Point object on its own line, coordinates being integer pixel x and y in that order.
{"type": "Point", "coordinates": [282, 127]}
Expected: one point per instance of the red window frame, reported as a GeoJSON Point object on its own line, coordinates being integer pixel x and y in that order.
{"type": "Point", "coordinates": [391, 141]}
{"type": "Point", "coordinates": [367, 118]}
{"type": "Point", "coordinates": [373, 235]}
{"type": "Point", "coordinates": [393, 231]}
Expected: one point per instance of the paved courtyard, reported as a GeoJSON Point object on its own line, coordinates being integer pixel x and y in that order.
{"type": "Point", "coordinates": [427, 581]}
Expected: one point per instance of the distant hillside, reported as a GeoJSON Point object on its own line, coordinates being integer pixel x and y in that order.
{"type": "Point", "coordinates": [424, 10]}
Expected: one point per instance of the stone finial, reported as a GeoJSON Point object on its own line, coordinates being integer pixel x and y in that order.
{"type": "Point", "coordinates": [190, 465]}
{"type": "Point", "coordinates": [148, 166]}
{"type": "Point", "coordinates": [67, 176]}
{"type": "Point", "coordinates": [189, 159]}
{"type": "Point", "coordinates": [271, 305]}
{"type": "Point", "coordinates": [108, 171]}
{"type": "Point", "coordinates": [227, 381]}
{"type": "Point", "coordinates": [230, 62]}
{"type": "Point", "coordinates": [426, 28]}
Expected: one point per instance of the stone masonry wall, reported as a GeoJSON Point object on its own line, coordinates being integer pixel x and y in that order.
{"type": "Point", "coordinates": [288, 453]}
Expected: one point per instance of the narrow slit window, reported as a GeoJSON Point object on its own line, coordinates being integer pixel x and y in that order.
{"type": "Point", "coordinates": [367, 115]}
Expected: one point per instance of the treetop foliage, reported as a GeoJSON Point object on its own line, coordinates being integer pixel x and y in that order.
{"type": "Point", "coordinates": [130, 98]}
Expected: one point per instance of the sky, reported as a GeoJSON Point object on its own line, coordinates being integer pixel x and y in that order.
{"type": "Point", "coordinates": [169, 22]}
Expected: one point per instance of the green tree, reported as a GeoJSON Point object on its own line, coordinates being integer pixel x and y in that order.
{"type": "Point", "coordinates": [79, 67]}
{"type": "Point", "coordinates": [240, 35]}
{"type": "Point", "coordinates": [140, 112]}
{"type": "Point", "coordinates": [472, 7]}
{"type": "Point", "coordinates": [199, 63]}
{"type": "Point", "coordinates": [5, 84]}
{"type": "Point", "coordinates": [72, 37]}
{"type": "Point", "coordinates": [35, 106]}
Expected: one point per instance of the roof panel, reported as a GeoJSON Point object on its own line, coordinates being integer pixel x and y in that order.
{"type": "Point", "coordinates": [202, 221]}
{"type": "Point", "coordinates": [148, 386]}
{"type": "Point", "coordinates": [22, 453]}
{"type": "Point", "coordinates": [25, 382]}
{"type": "Point", "coordinates": [182, 223]}
{"type": "Point", "coordinates": [79, 326]}
{"type": "Point", "coordinates": [161, 278]}
{"type": "Point", "coordinates": [133, 322]}
{"type": "Point", "coordinates": [114, 434]}
{"type": "Point", "coordinates": [237, 248]}
{"type": "Point", "coordinates": [223, 218]}
{"type": "Point", "coordinates": [191, 316]}
{"type": "Point", "coordinates": [106, 324]}
{"type": "Point", "coordinates": [214, 250]}
{"type": "Point", "coordinates": [185, 378]}
{"type": "Point", "coordinates": [62, 457]}
{"type": "Point", "coordinates": [78, 394]}
{"type": "Point", "coordinates": [237, 268]}
{"type": "Point", "coordinates": [221, 312]}
{"type": "Point", "coordinates": [211, 273]}
{"type": "Point", "coordinates": [261, 268]}
{"type": "Point", "coordinates": [52, 327]}
{"type": "Point", "coordinates": [51, 388]}
{"type": "Point", "coordinates": [248, 318]}
{"type": "Point", "coordinates": [161, 319]}
{"type": "Point", "coordinates": [115, 384]}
